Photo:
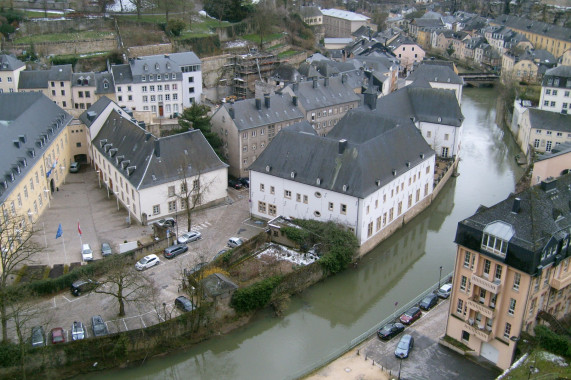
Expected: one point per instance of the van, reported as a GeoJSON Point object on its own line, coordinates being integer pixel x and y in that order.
{"type": "Point", "coordinates": [86, 252]}
{"type": "Point", "coordinates": [82, 286]}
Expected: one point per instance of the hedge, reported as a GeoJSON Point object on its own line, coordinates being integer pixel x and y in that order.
{"type": "Point", "coordinates": [255, 296]}
{"type": "Point", "coordinates": [552, 342]}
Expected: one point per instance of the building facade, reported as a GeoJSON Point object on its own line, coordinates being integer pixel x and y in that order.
{"type": "Point", "coordinates": [507, 273]}
{"type": "Point", "coordinates": [10, 69]}
{"type": "Point", "coordinates": [540, 131]}
{"type": "Point", "coordinates": [556, 90]}
{"type": "Point", "coordinates": [339, 23]}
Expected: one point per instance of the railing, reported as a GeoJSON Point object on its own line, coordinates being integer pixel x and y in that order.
{"type": "Point", "coordinates": [486, 284]}
{"type": "Point", "coordinates": [364, 336]}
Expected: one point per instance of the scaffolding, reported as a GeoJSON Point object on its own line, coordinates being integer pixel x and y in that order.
{"type": "Point", "coordinates": [248, 69]}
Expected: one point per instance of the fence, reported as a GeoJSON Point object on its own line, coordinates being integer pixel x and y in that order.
{"type": "Point", "coordinates": [364, 336]}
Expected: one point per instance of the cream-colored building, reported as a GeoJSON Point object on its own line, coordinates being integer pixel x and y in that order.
{"type": "Point", "coordinates": [340, 23]}
{"type": "Point", "coordinates": [55, 83]}
{"type": "Point", "coordinates": [10, 68]}
{"type": "Point", "coordinates": [552, 165]}
{"type": "Point", "coordinates": [508, 272]}
{"type": "Point", "coordinates": [540, 131]}
{"type": "Point", "coordinates": [34, 153]}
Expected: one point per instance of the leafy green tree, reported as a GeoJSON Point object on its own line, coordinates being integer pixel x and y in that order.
{"type": "Point", "coordinates": [175, 27]}
{"type": "Point", "coordinates": [228, 10]}
{"type": "Point", "coordinates": [196, 117]}
{"type": "Point", "coordinates": [450, 50]}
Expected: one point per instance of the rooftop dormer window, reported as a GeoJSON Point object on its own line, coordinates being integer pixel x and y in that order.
{"type": "Point", "coordinates": [496, 238]}
{"type": "Point", "coordinates": [156, 66]}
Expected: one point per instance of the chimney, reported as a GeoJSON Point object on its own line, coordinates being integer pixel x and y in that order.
{"type": "Point", "coordinates": [267, 100]}
{"type": "Point", "coordinates": [342, 145]}
{"type": "Point", "coordinates": [157, 148]}
{"type": "Point", "coordinates": [343, 78]}
{"type": "Point", "coordinates": [147, 136]}
{"type": "Point", "coordinates": [516, 205]}
{"type": "Point", "coordinates": [314, 82]}
{"type": "Point", "coordinates": [326, 82]}
{"type": "Point", "coordinates": [294, 100]}
{"type": "Point", "coordinates": [371, 98]}
{"type": "Point", "coordinates": [258, 104]}
{"type": "Point", "coordinates": [548, 184]}
{"type": "Point", "coordinates": [231, 112]}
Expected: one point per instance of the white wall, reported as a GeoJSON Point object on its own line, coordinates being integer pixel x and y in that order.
{"type": "Point", "coordinates": [437, 139]}
{"type": "Point", "coordinates": [186, 85]}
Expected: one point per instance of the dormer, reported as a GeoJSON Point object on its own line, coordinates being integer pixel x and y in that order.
{"type": "Point", "coordinates": [146, 67]}
{"type": "Point", "coordinates": [125, 163]}
{"type": "Point", "coordinates": [113, 152]}
{"type": "Point", "coordinates": [130, 170]}
{"type": "Point", "coordinates": [107, 147]}
{"type": "Point", "coordinates": [102, 143]}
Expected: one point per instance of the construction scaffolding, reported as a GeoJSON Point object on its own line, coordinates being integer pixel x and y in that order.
{"type": "Point", "coordinates": [248, 69]}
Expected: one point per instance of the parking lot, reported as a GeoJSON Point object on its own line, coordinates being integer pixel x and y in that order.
{"type": "Point", "coordinates": [82, 201]}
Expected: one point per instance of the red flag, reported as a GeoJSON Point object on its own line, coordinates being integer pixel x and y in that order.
{"type": "Point", "coordinates": [78, 228]}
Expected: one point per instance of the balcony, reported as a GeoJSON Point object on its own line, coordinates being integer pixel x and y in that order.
{"type": "Point", "coordinates": [560, 283]}
{"type": "Point", "coordinates": [484, 310]}
{"type": "Point", "coordinates": [484, 283]}
{"type": "Point", "coordinates": [483, 334]}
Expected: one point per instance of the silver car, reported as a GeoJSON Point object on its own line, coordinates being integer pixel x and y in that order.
{"type": "Point", "coordinates": [77, 331]}
{"type": "Point", "coordinates": [404, 347]}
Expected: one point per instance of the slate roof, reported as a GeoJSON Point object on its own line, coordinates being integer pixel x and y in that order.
{"type": "Point", "coordinates": [551, 121]}
{"type": "Point", "coordinates": [247, 116]}
{"type": "Point", "coordinates": [10, 63]}
{"type": "Point", "coordinates": [537, 27]}
{"type": "Point", "coordinates": [302, 126]}
{"type": "Point", "coordinates": [540, 56]}
{"type": "Point", "coordinates": [536, 222]}
{"type": "Point", "coordinates": [33, 79]}
{"type": "Point", "coordinates": [310, 11]}
{"type": "Point", "coordinates": [424, 104]}
{"type": "Point", "coordinates": [346, 15]}
{"type": "Point", "coordinates": [286, 73]}
{"type": "Point", "coordinates": [97, 80]}
{"type": "Point", "coordinates": [401, 40]}
{"type": "Point", "coordinates": [122, 73]}
{"type": "Point", "coordinates": [24, 117]}
{"type": "Point", "coordinates": [358, 168]}
{"type": "Point", "coordinates": [307, 70]}
{"type": "Point", "coordinates": [563, 73]}
{"type": "Point", "coordinates": [428, 23]}
{"type": "Point", "coordinates": [88, 116]}
{"type": "Point", "coordinates": [435, 73]}
{"type": "Point", "coordinates": [155, 160]}
{"type": "Point", "coordinates": [322, 96]}
{"type": "Point", "coordinates": [557, 150]}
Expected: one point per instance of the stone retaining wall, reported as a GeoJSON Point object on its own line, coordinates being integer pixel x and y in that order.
{"type": "Point", "coordinates": [72, 47]}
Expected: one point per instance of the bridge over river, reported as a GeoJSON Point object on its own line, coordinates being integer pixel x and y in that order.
{"type": "Point", "coordinates": [479, 79]}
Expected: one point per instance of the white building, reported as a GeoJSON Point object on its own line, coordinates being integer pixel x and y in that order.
{"type": "Point", "coordinates": [367, 174]}
{"type": "Point", "coordinates": [556, 90]}
{"type": "Point", "coordinates": [161, 84]}
{"type": "Point", "coordinates": [152, 177]}
{"type": "Point", "coordinates": [10, 68]}
{"type": "Point", "coordinates": [340, 23]}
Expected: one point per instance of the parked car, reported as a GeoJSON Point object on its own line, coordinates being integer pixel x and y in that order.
{"type": "Point", "coordinates": [58, 335]}
{"type": "Point", "coordinates": [105, 249]}
{"type": "Point", "coordinates": [174, 250]}
{"type": "Point", "coordinates": [195, 268]}
{"type": "Point", "coordinates": [411, 315]}
{"type": "Point", "coordinates": [389, 330]}
{"type": "Point", "coordinates": [188, 237]}
{"type": "Point", "coordinates": [234, 242]}
{"type": "Point", "coordinates": [235, 184]}
{"type": "Point", "coordinates": [404, 347]}
{"type": "Point", "coordinates": [244, 181]}
{"type": "Point", "coordinates": [428, 302]}
{"type": "Point", "coordinates": [444, 291]}
{"type": "Point", "coordinates": [38, 338]}
{"type": "Point", "coordinates": [82, 286]}
{"type": "Point", "coordinates": [184, 303]}
{"type": "Point", "coordinates": [166, 222]}
{"type": "Point", "coordinates": [147, 262]}
{"type": "Point", "coordinates": [77, 331]}
{"type": "Point", "coordinates": [86, 252]}
{"type": "Point", "coordinates": [99, 327]}
{"type": "Point", "coordinates": [74, 167]}
{"type": "Point", "coordinates": [220, 253]}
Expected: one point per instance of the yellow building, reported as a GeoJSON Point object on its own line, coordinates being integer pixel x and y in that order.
{"type": "Point", "coordinates": [512, 266]}
{"type": "Point", "coordinates": [10, 68]}
{"type": "Point", "coordinates": [34, 153]}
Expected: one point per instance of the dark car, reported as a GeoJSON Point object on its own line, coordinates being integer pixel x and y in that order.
{"type": "Point", "coordinates": [428, 302]}
{"type": "Point", "coordinates": [235, 184]}
{"type": "Point", "coordinates": [404, 347]}
{"type": "Point", "coordinates": [99, 327]}
{"type": "Point", "coordinates": [58, 335]}
{"type": "Point", "coordinates": [244, 181]}
{"type": "Point", "coordinates": [174, 250]}
{"type": "Point", "coordinates": [184, 303]}
{"type": "Point", "coordinates": [82, 286]}
{"type": "Point", "coordinates": [411, 315]}
{"type": "Point", "coordinates": [389, 330]}
{"type": "Point", "coordinates": [105, 249]}
{"type": "Point", "coordinates": [38, 338]}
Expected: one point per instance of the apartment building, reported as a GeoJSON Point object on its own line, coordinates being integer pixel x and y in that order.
{"type": "Point", "coordinates": [340, 23]}
{"type": "Point", "coordinates": [530, 66]}
{"type": "Point", "coordinates": [407, 51]}
{"type": "Point", "coordinates": [512, 266]}
{"type": "Point", "coordinates": [540, 131]}
{"type": "Point", "coordinates": [55, 83]}
{"type": "Point", "coordinates": [87, 88]}
{"type": "Point", "coordinates": [556, 90]}
{"type": "Point", "coordinates": [10, 68]}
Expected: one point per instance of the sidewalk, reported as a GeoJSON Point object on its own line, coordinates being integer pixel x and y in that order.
{"type": "Point", "coordinates": [351, 365]}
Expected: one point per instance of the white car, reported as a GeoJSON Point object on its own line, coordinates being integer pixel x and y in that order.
{"type": "Point", "coordinates": [234, 242]}
{"type": "Point", "coordinates": [86, 252]}
{"type": "Point", "coordinates": [444, 291]}
{"type": "Point", "coordinates": [187, 237]}
{"type": "Point", "coordinates": [147, 262]}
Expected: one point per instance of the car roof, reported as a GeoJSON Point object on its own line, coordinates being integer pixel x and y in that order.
{"type": "Point", "coordinates": [406, 337]}
{"type": "Point", "coordinates": [446, 286]}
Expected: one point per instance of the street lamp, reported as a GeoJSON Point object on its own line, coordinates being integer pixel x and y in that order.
{"type": "Point", "coordinates": [117, 197]}
{"type": "Point", "coordinates": [439, 277]}
{"type": "Point", "coordinates": [49, 203]}
{"type": "Point", "coordinates": [99, 177]}
{"type": "Point", "coordinates": [129, 214]}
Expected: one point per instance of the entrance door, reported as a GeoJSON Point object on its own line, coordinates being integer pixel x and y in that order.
{"type": "Point", "coordinates": [52, 185]}
{"type": "Point", "coordinates": [489, 352]}
{"type": "Point", "coordinates": [161, 111]}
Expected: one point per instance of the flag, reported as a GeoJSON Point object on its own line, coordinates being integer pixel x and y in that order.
{"type": "Point", "coordinates": [78, 228]}
{"type": "Point", "coordinates": [396, 303]}
{"type": "Point", "coordinates": [59, 231]}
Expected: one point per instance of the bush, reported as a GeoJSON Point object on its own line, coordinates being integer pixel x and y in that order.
{"type": "Point", "coordinates": [175, 27]}
{"type": "Point", "coordinates": [9, 354]}
{"type": "Point", "coordinates": [552, 342]}
{"type": "Point", "coordinates": [64, 60]}
{"type": "Point", "coordinates": [297, 235]}
{"type": "Point", "coordinates": [255, 296]}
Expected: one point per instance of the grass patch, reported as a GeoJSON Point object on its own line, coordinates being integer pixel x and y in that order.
{"type": "Point", "coordinates": [64, 37]}
{"type": "Point", "coordinates": [39, 14]}
{"type": "Point", "coordinates": [275, 47]}
{"type": "Point", "coordinates": [455, 343]}
{"type": "Point", "coordinates": [151, 19]}
{"type": "Point", "coordinates": [548, 366]}
{"type": "Point", "coordinates": [287, 53]}
{"type": "Point", "coordinates": [256, 37]}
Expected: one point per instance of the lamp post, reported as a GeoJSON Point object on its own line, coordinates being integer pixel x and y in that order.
{"type": "Point", "coordinates": [439, 277]}
{"type": "Point", "coordinates": [117, 197]}
{"type": "Point", "coordinates": [99, 177]}
{"type": "Point", "coordinates": [49, 203]}
{"type": "Point", "coordinates": [129, 214]}
{"type": "Point", "coordinates": [62, 168]}
{"type": "Point", "coordinates": [400, 366]}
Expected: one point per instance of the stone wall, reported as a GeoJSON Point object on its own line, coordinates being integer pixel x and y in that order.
{"type": "Point", "coordinates": [72, 47]}
{"type": "Point", "coordinates": [140, 51]}
{"type": "Point", "coordinates": [64, 26]}
{"type": "Point", "coordinates": [216, 68]}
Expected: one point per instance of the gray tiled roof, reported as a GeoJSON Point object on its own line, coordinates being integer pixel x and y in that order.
{"type": "Point", "coordinates": [322, 96]}
{"type": "Point", "coordinates": [424, 104]}
{"type": "Point", "coordinates": [152, 64]}
{"type": "Point", "coordinates": [372, 153]}
{"type": "Point", "coordinates": [10, 63]}
{"type": "Point", "coordinates": [557, 150]}
{"type": "Point", "coordinates": [25, 117]}
{"type": "Point", "coordinates": [32, 79]}
{"type": "Point", "coordinates": [302, 126]}
{"type": "Point", "coordinates": [401, 40]}
{"type": "Point", "coordinates": [428, 23]}
{"type": "Point", "coordinates": [155, 167]}
{"type": "Point", "coordinates": [563, 73]}
{"type": "Point", "coordinates": [310, 11]}
{"type": "Point", "coordinates": [96, 80]}
{"type": "Point", "coordinates": [122, 73]}
{"type": "Point", "coordinates": [95, 110]}
{"type": "Point", "coordinates": [537, 27]}
{"type": "Point", "coordinates": [439, 73]}
{"type": "Point", "coordinates": [247, 116]}
{"type": "Point", "coordinates": [551, 121]}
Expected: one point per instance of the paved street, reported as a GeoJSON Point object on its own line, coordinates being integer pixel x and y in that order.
{"type": "Point", "coordinates": [81, 199]}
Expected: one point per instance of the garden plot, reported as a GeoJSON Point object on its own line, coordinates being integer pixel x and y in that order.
{"type": "Point", "coordinates": [282, 253]}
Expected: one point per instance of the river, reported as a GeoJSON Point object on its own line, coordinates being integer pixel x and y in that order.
{"type": "Point", "coordinates": [333, 312]}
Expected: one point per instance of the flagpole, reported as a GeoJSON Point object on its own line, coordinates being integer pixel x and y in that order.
{"type": "Point", "coordinates": [64, 253]}
{"type": "Point", "coordinates": [79, 232]}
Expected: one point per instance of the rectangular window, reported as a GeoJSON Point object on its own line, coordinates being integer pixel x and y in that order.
{"type": "Point", "coordinates": [511, 309]}
{"type": "Point", "coordinates": [460, 306]}
{"type": "Point", "coordinates": [262, 207]}
{"type": "Point", "coordinates": [463, 282]}
{"type": "Point", "coordinates": [343, 209]}
{"type": "Point", "coordinates": [507, 330]}
{"type": "Point", "coordinates": [370, 229]}
{"type": "Point", "coordinates": [467, 260]}
{"type": "Point", "coordinates": [498, 274]}
{"type": "Point", "coordinates": [330, 206]}
{"type": "Point", "coordinates": [156, 209]}
{"type": "Point", "coordinates": [517, 279]}
{"type": "Point", "coordinates": [262, 187]}
{"type": "Point", "coordinates": [487, 264]}
{"type": "Point", "coordinates": [272, 210]}
{"type": "Point", "coordinates": [305, 199]}
{"type": "Point", "coordinates": [272, 190]}
{"type": "Point", "coordinates": [171, 191]}
{"type": "Point", "coordinates": [298, 197]}
{"type": "Point", "coordinates": [287, 194]}
{"type": "Point", "coordinates": [172, 206]}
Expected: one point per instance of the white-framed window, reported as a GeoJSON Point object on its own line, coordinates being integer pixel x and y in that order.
{"type": "Point", "coordinates": [343, 209]}
{"type": "Point", "coordinates": [172, 206]}
{"type": "Point", "coordinates": [517, 280]}
{"type": "Point", "coordinates": [460, 306]}
{"type": "Point", "coordinates": [262, 207]}
{"type": "Point", "coordinates": [287, 194]}
{"type": "Point", "coordinates": [262, 187]}
{"type": "Point", "coordinates": [511, 309]}
{"type": "Point", "coordinates": [507, 330]}
{"type": "Point", "coordinates": [498, 274]}
{"type": "Point", "coordinates": [156, 209]}
{"type": "Point", "coordinates": [487, 265]}
{"type": "Point", "coordinates": [467, 260]}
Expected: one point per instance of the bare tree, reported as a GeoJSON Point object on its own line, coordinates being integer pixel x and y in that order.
{"type": "Point", "coordinates": [192, 190]}
{"type": "Point", "coordinates": [264, 19]}
{"type": "Point", "coordinates": [138, 5]}
{"type": "Point", "coordinates": [103, 4]}
{"type": "Point", "coordinates": [16, 249]}
{"type": "Point", "coordinates": [123, 282]}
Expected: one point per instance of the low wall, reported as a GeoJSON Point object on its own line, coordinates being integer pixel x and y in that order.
{"type": "Point", "coordinates": [74, 47]}
{"type": "Point", "coordinates": [140, 51]}
{"type": "Point", "coordinates": [32, 27]}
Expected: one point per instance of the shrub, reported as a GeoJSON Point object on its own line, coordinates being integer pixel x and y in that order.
{"type": "Point", "coordinates": [297, 235]}
{"type": "Point", "coordinates": [552, 342]}
{"type": "Point", "coordinates": [175, 27]}
{"type": "Point", "coordinates": [9, 354]}
{"type": "Point", "coordinates": [64, 60]}
{"type": "Point", "coordinates": [256, 295]}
